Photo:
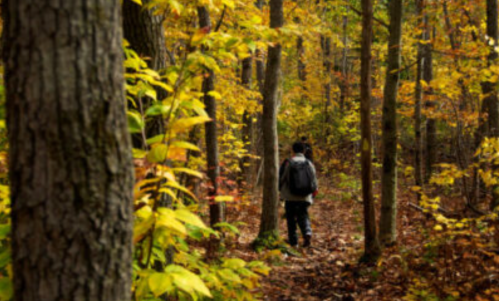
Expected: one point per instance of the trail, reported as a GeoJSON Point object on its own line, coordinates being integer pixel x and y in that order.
{"type": "Point", "coordinates": [328, 270]}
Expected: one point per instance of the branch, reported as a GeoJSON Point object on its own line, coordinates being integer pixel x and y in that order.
{"type": "Point", "coordinates": [381, 22]}
{"type": "Point", "coordinates": [221, 19]}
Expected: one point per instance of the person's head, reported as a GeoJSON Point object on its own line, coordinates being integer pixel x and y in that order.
{"type": "Point", "coordinates": [298, 148]}
{"type": "Point", "coordinates": [304, 139]}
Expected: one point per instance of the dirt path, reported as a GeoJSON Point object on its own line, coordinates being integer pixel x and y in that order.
{"type": "Point", "coordinates": [328, 270]}
{"type": "Point", "coordinates": [318, 274]}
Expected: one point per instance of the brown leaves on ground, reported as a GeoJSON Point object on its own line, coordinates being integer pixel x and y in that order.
{"type": "Point", "coordinates": [419, 268]}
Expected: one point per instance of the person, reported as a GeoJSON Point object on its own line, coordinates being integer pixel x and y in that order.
{"type": "Point", "coordinates": [308, 149]}
{"type": "Point", "coordinates": [298, 185]}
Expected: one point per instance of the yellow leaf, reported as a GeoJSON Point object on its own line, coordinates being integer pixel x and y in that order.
{"type": "Point", "coordinates": [185, 124]}
{"type": "Point", "coordinates": [160, 283]}
{"type": "Point", "coordinates": [189, 218]}
{"type": "Point", "coordinates": [224, 198]}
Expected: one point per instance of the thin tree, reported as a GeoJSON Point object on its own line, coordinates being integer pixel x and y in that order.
{"type": "Point", "coordinates": [212, 156]}
{"type": "Point", "coordinates": [269, 226]}
{"type": "Point", "coordinates": [71, 173]}
{"type": "Point", "coordinates": [248, 128]}
{"type": "Point", "coordinates": [372, 249]}
{"type": "Point", "coordinates": [388, 221]}
{"type": "Point", "coordinates": [431, 123]}
{"type": "Point", "coordinates": [418, 145]}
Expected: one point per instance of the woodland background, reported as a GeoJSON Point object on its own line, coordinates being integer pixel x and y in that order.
{"type": "Point", "coordinates": [140, 142]}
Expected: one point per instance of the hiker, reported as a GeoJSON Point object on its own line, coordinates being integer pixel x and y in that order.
{"type": "Point", "coordinates": [298, 186]}
{"type": "Point", "coordinates": [308, 148]}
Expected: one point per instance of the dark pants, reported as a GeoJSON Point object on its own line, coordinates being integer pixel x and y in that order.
{"type": "Point", "coordinates": [297, 212]}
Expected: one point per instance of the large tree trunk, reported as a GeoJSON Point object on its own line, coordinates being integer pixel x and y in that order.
{"type": "Point", "coordinates": [418, 145]}
{"type": "Point", "coordinates": [491, 101]}
{"type": "Point", "coordinates": [269, 225]}
{"type": "Point", "coordinates": [388, 221]}
{"type": "Point", "coordinates": [212, 157]}
{"type": "Point", "coordinates": [70, 159]}
{"type": "Point", "coordinates": [372, 249]}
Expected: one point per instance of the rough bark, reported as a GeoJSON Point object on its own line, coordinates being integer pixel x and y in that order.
{"type": "Point", "coordinates": [372, 249]}
{"type": "Point", "coordinates": [212, 156]}
{"type": "Point", "coordinates": [143, 29]}
{"type": "Point", "coordinates": [491, 101]}
{"type": "Point", "coordinates": [388, 221]}
{"type": "Point", "coordinates": [71, 172]}
{"type": "Point", "coordinates": [418, 155]}
{"type": "Point", "coordinates": [269, 225]}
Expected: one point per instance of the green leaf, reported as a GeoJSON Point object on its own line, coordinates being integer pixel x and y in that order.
{"type": "Point", "coordinates": [135, 124]}
{"type": "Point", "coordinates": [6, 291]}
{"type": "Point", "coordinates": [158, 153]}
{"type": "Point", "coordinates": [234, 263]}
{"type": "Point", "coordinates": [158, 109]}
{"type": "Point", "coordinates": [4, 231]}
{"type": "Point", "coordinates": [5, 258]}
{"type": "Point", "coordinates": [228, 226]}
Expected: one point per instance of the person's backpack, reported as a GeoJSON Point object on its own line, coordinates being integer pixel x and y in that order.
{"type": "Point", "coordinates": [301, 178]}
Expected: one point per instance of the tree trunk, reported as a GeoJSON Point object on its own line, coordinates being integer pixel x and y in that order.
{"type": "Point", "coordinates": [327, 64]}
{"type": "Point", "coordinates": [247, 132]}
{"type": "Point", "coordinates": [431, 127]}
{"type": "Point", "coordinates": [388, 221]}
{"type": "Point", "coordinates": [372, 249]}
{"type": "Point", "coordinates": [143, 29]}
{"type": "Point", "coordinates": [260, 78]}
{"type": "Point", "coordinates": [344, 65]}
{"type": "Point", "coordinates": [212, 157]}
{"type": "Point", "coordinates": [269, 226]}
{"type": "Point", "coordinates": [71, 172]}
{"type": "Point", "coordinates": [302, 73]}
{"type": "Point", "coordinates": [491, 101]}
{"type": "Point", "coordinates": [418, 156]}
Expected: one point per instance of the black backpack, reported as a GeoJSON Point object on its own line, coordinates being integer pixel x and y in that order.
{"type": "Point", "coordinates": [301, 178]}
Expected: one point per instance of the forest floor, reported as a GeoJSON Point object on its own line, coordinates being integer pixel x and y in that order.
{"type": "Point", "coordinates": [329, 270]}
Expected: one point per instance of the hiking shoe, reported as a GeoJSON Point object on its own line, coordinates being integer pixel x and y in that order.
{"type": "Point", "coordinates": [307, 241]}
